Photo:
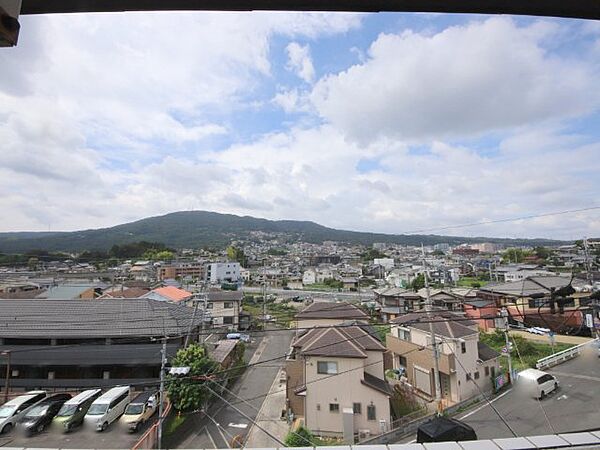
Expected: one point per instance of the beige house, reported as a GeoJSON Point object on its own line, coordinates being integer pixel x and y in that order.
{"type": "Point", "coordinates": [464, 362]}
{"type": "Point", "coordinates": [335, 382]}
{"type": "Point", "coordinates": [224, 308]}
{"type": "Point", "coordinates": [326, 314]}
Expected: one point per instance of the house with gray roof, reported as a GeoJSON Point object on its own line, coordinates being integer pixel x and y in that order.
{"type": "Point", "coordinates": [336, 382]}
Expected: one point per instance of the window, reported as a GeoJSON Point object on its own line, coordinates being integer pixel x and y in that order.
{"type": "Point", "coordinates": [402, 361]}
{"type": "Point", "coordinates": [493, 371]}
{"type": "Point", "coordinates": [327, 367]}
{"type": "Point", "coordinates": [468, 377]}
{"type": "Point", "coordinates": [318, 407]}
{"type": "Point", "coordinates": [371, 413]}
{"type": "Point", "coordinates": [210, 305]}
{"type": "Point", "coordinates": [545, 378]}
{"type": "Point", "coordinates": [476, 375]}
{"type": "Point", "coordinates": [404, 334]}
{"type": "Point", "coordinates": [227, 305]}
{"type": "Point", "coordinates": [537, 302]}
{"type": "Point", "coordinates": [463, 347]}
{"type": "Point", "coordinates": [487, 371]}
{"type": "Point", "coordinates": [334, 407]}
{"type": "Point", "coordinates": [228, 320]}
{"type": "Point", "coordinates": [357, 408]}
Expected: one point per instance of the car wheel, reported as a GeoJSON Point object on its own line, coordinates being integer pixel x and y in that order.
{"type": "Point", "coordinates": [542, 395]}
{"type": "Point", "coordinates": [7, 428]}
{"type": "Point", "coordinates": [104, 426]}
{"type": "Point", "coordinates": [40, 428]}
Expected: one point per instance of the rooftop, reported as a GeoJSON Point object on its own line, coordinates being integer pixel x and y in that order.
{"type": "Point", "coordinates": [326, 310]}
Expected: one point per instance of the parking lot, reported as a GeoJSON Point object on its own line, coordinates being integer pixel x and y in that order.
{"type": "Point", "coordinates": [575, 406]}
{"type": "Point", "coordinates": [116, 436]}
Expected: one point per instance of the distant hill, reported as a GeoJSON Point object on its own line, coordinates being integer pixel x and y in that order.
{"type": "Point", "coordinates": [196, 229]}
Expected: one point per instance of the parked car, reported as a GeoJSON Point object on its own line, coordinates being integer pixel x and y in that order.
{"type": "Point", "coordinates": [73, 411]}
{"type": "Point", "coordinates": [108, 407]}
{"type": "Point", "coordinates": [14, 409]}
{"type": "Point", "coordinates": [139, 410]}
{"type": "Point", "coordinates": [239, 336]}
{"type": "Point", "coordinates": [40, 416]}
{"type": "Point", "coordinates": [537, 383]}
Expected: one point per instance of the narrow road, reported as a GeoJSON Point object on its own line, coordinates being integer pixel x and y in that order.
{"type": "Point", "coordinates": [225, 423]}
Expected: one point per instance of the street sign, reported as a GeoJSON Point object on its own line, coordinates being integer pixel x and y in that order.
{"type": "Point", "coordinates": [589, 321]}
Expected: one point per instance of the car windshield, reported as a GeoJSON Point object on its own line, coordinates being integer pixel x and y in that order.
{"type": "Point", "coordinates": [545, 378]}
{"type": "Point", "coordinates": [134, 408]}
{"type": "Point", "coordinates": [97, 409]}
{"type": "Point", "coordinates": [67, 410]}
{"type": "Point", "coordinates": [7, 410]}
{"type": "Point", "coordinates": [37, 411]}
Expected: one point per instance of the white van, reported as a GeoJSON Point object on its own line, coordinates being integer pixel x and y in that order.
{"type": "Point", "coordinates": [537, 382]}
{"type": "Point", "coordinates": [14, 409]}
{"type": "Point", "coordinates": [108, 407]}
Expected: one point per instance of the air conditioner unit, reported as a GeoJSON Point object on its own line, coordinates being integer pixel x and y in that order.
{"type": "Point", "coordinates": [364, 434]}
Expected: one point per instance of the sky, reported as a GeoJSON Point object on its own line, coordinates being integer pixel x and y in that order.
{"type": "Point", "coordinates": [373, 122]}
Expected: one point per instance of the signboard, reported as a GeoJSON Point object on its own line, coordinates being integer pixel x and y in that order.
{"type": "Point", "coordinates": [589, 321]}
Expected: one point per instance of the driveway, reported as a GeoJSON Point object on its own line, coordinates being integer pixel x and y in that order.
{"type": "Point", "coordinates": [253, 385]}
{"type": "Point", "coordinates": [575, 406]}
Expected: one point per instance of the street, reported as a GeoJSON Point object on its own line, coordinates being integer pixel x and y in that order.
{"type": "Point", "coordinates": [573, 407]}
{"type": "Point", "coordinates": [223, 423]}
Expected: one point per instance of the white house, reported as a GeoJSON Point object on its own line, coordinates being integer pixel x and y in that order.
{"type": "Point", "coordinates": [387, 263]}
{"type": "Point", "coordinates": [309, 276]}
{"type": "Point", "coordinates": [221, 272]}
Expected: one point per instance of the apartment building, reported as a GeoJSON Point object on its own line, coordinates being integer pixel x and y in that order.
{"type": "Point", "coordinates": [336, 383]}
{"type": "Point", "coordinates": [223, 272]}
{"type": "Point", "coordinates": [181, 270]}
{"type": "Point", "coordinates": [465, 364]}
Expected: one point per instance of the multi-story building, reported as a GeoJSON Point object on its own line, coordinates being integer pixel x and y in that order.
{"type": "Point", "coordinates": [224, 307]}
{"type": "Point", "coordinates": [223, 272]}
{"type": "Point", "coordinates": [181, 270]}
{"type": "Point", "coordinates": [466, 365]}
{"type": "Point", "coordinates": [335, 381]}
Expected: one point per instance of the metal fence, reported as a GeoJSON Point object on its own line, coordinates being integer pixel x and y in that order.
{"type": "Point", "coordinates": [561, 357]}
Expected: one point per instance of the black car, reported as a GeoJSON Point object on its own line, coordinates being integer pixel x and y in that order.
{"type": "Point", "coordinates": [41, 415]}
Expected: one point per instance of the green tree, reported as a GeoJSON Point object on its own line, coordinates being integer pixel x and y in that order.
{"type": "Point", "coordinates": [302, 437]}
{"type": "Point", "coordinates": [513, 255]}
{"type": "Point", "coordinates": [418, 282]}
{"type": "Point", "coordinates": [237, 254]}
{"type": "Point", "coordinates": [187, 394]}
{"type": "Point", "coordinates": [542, 252]}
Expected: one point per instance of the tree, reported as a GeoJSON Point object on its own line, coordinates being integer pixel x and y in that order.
{"type": "Point", "coordinates": [187, 394]}
{"type": "Point", "coordinates": [513, 255]}
{"type": "Point", "coordinates": [418, 282]}
{"type": "Point", "coordinates": [32, 263]}
{"type": "Point", "coordinates": [302, 437]}
{"type": "Point", "coordinates": [542, 252]}
{"type": "Point", "coordinates": [237, 254]}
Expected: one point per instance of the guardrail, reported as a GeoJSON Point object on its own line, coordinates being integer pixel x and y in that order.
{"type": "Point", "coordinates": [562, 356]}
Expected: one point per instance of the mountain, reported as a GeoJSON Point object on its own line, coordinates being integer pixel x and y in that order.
{"type": "Point", "coordinates": [196, 229]}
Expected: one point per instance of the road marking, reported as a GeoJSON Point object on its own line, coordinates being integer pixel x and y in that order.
{"type": "Point", "coordinates": [574, 375]}
{"type": "Point", "coordinates": [238, 425]}
{"type": "Point", "coordinates": [483, 406]}
{"type": "Point", "coordinates": [212, 441]}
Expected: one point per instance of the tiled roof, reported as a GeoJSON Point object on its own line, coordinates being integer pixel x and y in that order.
{"type": "Point", "coordinates": [134, 292]}
{"type": "Point", "coordinates": [75, 318]}
{"type": "Point", "coordinates": [172, 293]}
{"type": "Point", "coordinates": [327, 310]}
{"type": "Point", "coordinates": [445, 323]}
{"type": "Point", "coordinates": [531, 285]}
{"type": "Point", "coordinates": [345, 342]}
{"type": "Point", "coordinates": [485, 352]}
{"type": "Point", "coordinates": [227, 296]}
{"type": "Point", "coordinates": [377, 383]}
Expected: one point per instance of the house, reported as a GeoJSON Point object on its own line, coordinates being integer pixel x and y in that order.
{"type": "Point", "coordinates": [169, 294]}
{"type": "Point", "coordinates": [387, 263]}
{"type": "Point", "coordinates": [482, 312]}
{"type": "Point", "coordinates": [465, 364]}
{"type": "Point", "coordinates": [309, 276]}
{"type": "Point", "coordinates": [125, 292]}
{"type": "Point", "coordinates": [226, 353]}
{"type": "Point", "coordinates": [349, 282]}
{"type": "Point", "coordinates": [396, 301]}
{"type": "Point", "coordinates": [442, 298]}
{"type": "Point", "coordinates": [335, 382]}
{"type": "Point", "coordinates": [73, 291]}
{"type": "Point", "coordinates": [326, 314]}
{"type": "Point", "coordinates": [83, 343]}
{"type": "Point", "coordinates": [224, 308]}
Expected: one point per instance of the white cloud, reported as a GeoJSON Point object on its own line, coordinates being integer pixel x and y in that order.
{"type": "Point", "coordinates": [300, 62]}
{"type": "Point", "coordinates": [464, 80]}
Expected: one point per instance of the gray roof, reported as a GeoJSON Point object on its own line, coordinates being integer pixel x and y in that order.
{"type": "Point", "coordinates": [224, 296]}
{"type": "Point", "coordinates": [50, 318]}
{"type": "Point", "coordinates": [485, 352]}
{"type": "Point", "coordinates": [326, 310]}
{"type": "Point", "coordinates": [344, 342]}
{"type": "Point", "coordinates": [445, 323]}
{"type": "Point", "coordinates": [530, 285]}
{"type": "Point", "coordinates": [479, 303]}
{"type": "Point", "coordinates": [377, 383]}
{"type": "Point", "coordinates": [65, 291]}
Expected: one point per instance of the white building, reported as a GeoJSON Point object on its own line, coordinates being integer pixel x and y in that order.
{"type": "Point", "coordinates": [387, 263]}
{"type": "Point", "coordinates": [309, 277]}
{"type": "Point", "coordinates": [221, 272]}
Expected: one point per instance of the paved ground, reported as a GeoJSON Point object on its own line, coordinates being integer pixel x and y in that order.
{"type": "Point", "coordinates": [225, 423]}
{"type": "Point", "coordinates": [269, 418]}
{"type": "Point", "coordinates": [574, 340]}
{"type": "Point", "coordinates": [575, 406]}
{"type": "Point", "coordinates": [114, 437]}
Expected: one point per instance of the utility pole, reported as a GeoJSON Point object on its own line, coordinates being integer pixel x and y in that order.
{"type": "Point", "coordinates": [588, 266]}
{"type": "Point", "coordinates": [163, 364]}
{"type": "Point", "coordinates": [264, 312]}
{"type": "Point", "coordinates": [504, 314]}
{"type": "Point", "coordinates": [187, 337]}
{"type": "Point", "coordinates": [7, 380]}
{"type": "Point", "coordinates": [428, 309]}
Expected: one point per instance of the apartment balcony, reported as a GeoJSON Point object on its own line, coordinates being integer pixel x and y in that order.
{"type": "Point", "coordinates": [420, 355]}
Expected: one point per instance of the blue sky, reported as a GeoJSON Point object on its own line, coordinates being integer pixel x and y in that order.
{"type": "Point", "coordinates": [375, 122]}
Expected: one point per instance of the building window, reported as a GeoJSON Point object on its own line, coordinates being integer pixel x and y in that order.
{"type": "Point", "coordinates": [318, 407]}
{"type": "Point", "coordinates": [476, 375]}
{"type": "Point", "coordinates": [404, 334]}
{"type": "Point", "coordinates": [402, 361]}
{"type": "Point", "coordinates": [228, 320]}
{"type": "Point", "coordinates": [463, 347]}
{"type": "Point", "coordinates": [371, 413]}
{"type": "Point", "coordinates": [209, 305]}
{"type": "Point", "coordinates": [493, 371]}
{"type": "Point", "coordinates": [327, 367]}
{"type": "Point", "coordinates": [487, 371]}
{"type": "Point", "coordinates": [228, 305]}
{"type": "Point", "coordinates": [468, 376]}
{"type": "Point", "coordinates": [334, 407]}
{"type": "Point", "coordinates": [357, 408]}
